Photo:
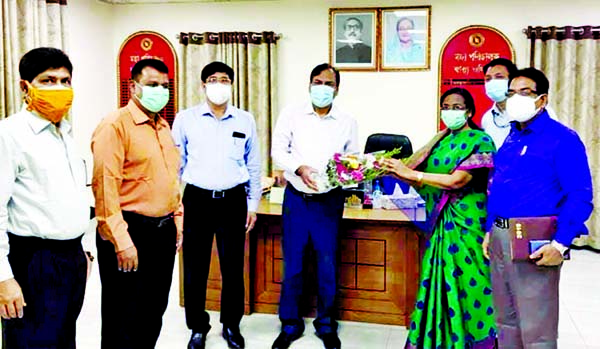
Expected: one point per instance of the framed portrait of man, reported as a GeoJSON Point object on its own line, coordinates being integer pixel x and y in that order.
{"type": "Point", "coordinates": [405, 38]}
{"type": "Point", "coordinates": [352, 38]}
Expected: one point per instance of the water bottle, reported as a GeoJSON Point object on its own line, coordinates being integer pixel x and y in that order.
{"type": "Point", "coordinates": [377, 195]}
{"type": "Point", "coordinates": [367, 197]}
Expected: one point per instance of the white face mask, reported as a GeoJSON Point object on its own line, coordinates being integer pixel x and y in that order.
{"type": "Point", "coordinates": [521, 108]}
{"type": "Point", "coordinates": [218, 93]}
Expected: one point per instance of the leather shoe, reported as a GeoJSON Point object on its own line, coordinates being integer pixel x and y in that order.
{"type": "Point", "coordinates": [284, 340]}
{"type": "Point", "coordinates": [330, 340]}
{"type": "Point", "coordinates": [198, 341]}
{"type": "Point", "coordinates": [234, 338]}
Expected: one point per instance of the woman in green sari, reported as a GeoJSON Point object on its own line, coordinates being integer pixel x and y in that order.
{"type": "Point", "coordinates": [454, 301]}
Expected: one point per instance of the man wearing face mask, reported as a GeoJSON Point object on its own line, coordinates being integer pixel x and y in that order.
{"type": "Point", "coordinates": [495, 121]}
{"type": "Point", "coordinates": [139, 210]}
{"type": "Point", "coordinates": [541, 170]}
{"type": "Point", "coordinates": [221, 166]}
{"type": "Point", "coordinates": [305, 138]}
{"type": "Point", "coordinates": [43, 210]}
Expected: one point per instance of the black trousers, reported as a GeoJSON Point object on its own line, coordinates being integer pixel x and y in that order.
{"type": "Point", "coordinates": [204, 218]}
{"type": "Point", "coordinates": [52, 275]}
{"type": "Point", "coordinates": [133, 303]}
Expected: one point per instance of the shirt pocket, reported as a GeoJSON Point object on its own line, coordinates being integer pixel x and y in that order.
{"type": "Point", "coordinates": [237, 148]}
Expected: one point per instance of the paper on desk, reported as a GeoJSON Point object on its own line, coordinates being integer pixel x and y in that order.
{"type": "Point", "coordinates": [276, 195]}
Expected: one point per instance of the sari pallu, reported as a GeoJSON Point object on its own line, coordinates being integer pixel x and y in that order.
{"type": "Point", "coordinates": [454, 307]}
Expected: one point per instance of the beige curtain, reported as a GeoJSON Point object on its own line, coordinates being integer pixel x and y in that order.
{"type": "Point", "coordinates": [253, 57]}
{"type": "Point", "coordinates": [570, 57]}
{"type": "Point", "coordinates": [24, 25]}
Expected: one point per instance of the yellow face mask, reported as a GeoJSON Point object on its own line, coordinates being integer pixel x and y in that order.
{"type": "Point", "coordinates": [52, 103]}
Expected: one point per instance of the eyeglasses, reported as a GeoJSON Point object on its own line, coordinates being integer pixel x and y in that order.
{"type": "Point", "coordinates": [454, 107]}
{"type": "Point", "coordinates": [525, 92]}
{"type": "Point", "coordinates": [214, 80]}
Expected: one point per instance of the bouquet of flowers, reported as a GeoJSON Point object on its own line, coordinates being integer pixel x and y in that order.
{"type": "Point", "coordinates": [349, 169]}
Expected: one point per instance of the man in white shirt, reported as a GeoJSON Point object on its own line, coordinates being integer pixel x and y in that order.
{"type": "Point", "coordinates": [495, 122]}
{"type": "Point", "coordinates": [44, 210]}
{"type": "Point", "coordinates": [305, 138]}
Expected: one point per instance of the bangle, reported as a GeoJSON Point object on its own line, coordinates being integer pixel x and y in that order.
{"type": "Point", "coordinates": [420, 178]}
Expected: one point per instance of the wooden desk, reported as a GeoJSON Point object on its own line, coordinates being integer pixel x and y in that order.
{"type": "Point", "coordinates": [379, 267]}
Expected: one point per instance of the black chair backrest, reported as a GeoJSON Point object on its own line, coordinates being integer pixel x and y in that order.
{"type": "Point", "coordinates": [387, 142]}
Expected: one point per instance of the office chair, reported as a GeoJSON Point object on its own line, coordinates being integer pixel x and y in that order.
{"type": "Point", "coordinates": [387, 142]}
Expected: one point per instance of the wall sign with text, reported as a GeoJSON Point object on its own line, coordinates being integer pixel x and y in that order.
{"type": "Point", "coordinates": [462, 59]}
{"type": "Point", "coordinates": [142, 45]}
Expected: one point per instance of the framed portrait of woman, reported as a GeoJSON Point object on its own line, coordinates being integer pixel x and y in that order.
{"type": "Point", "coordinates": [352, 38]}
{"type": "Point", "coordinates": [405, 38]}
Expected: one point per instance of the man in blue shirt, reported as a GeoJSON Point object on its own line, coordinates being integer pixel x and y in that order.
{"type": "Point", "coordinates": [541, 170]}
{"type": "Point", "coordinates": [221, 167]}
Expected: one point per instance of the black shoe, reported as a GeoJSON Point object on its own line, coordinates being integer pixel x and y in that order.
{"type": "Point", "coordinates": [234, 338]}
{"type": "Point", "coordinates": [198, 341]}
{"type": "Point", "coordinates": [330, 340]}
{"type": "Point", "coordinates": [284, 340]}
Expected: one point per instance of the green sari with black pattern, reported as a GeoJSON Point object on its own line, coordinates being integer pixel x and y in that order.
{"type": "Point", "coordinates": [454, 306]}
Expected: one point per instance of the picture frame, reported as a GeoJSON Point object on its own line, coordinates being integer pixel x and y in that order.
{"type": "Point", "coordinates": [405, 38]}
{"type": "Point", "coordinates": [353, 39]}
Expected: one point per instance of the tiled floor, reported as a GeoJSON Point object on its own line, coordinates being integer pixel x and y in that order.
{"type": "Point", "coordinates": [579, 319]}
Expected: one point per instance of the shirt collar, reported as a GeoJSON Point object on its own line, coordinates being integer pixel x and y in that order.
{"type": "Point", "coordinates": [139, 116]}
{"type": "Point", "coordinates": [537, 124]}
{"type": "Point", "coordinates": [229, 112]}
{"type": "Point", "coordinates": [38, 123]}
{"type": "Point", "coordinates": [309, 109]}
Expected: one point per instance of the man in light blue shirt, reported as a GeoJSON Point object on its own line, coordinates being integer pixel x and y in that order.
{"type": "Point", "coordinates": [221, 167]}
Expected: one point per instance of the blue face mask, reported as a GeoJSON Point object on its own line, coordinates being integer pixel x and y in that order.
{"type": "Point", "coordinates": [496, 89]}
{"type": "Point", "coordinates": [321, 95]}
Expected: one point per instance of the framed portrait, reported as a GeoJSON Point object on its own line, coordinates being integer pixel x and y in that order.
{"type": "Point", "coordinates": [352, 38]}
{"type": "Point", "coordinates": [405, 38]}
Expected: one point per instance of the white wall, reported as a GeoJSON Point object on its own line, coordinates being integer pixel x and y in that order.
{"type": "Point", "coordinates": [94, 63]}
{"type": "Point", "coordinates": [394, 102]}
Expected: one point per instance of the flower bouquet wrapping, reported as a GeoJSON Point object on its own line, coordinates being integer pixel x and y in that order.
{"type": "Point", "coordinates": [350, 169]}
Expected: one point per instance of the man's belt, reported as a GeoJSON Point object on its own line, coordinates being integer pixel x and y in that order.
{"type": "Point", "coordinates": [315, 196]}
{"type": "Point", "coordinates": [158, 222]}
{"type": "Point", "coordinates": [219, 194]}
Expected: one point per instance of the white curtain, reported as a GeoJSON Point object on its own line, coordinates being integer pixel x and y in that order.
{"type": "Point", "coordinates": [24, 25]}
{"type": "Point", "coordinates": [570, 58]}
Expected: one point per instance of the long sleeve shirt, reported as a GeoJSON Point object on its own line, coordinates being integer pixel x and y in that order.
{"type": "Point", "coordinates": [219, 154]}
{"type": "Point", "coordinates": [302, 137]}
{"type": "Point", "coordinates": [543, 170]}
{"type": "Point", "coordinates": [136, 167]}
{"type": "Point", "coordinates": [42, 183]}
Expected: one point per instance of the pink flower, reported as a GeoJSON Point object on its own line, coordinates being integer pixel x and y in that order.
{"type": "Point", "coordinates": [357, 176]}
{"type": "Point", "coordinates": [339, 168]}
{"type": "Point", "coordinates": [336, 157]}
